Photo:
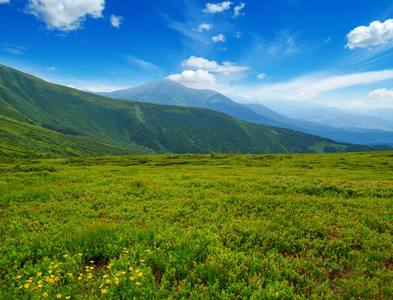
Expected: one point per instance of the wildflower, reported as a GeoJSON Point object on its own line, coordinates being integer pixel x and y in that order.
{"type": "Point", "coordinates": [58, 296]}
{"type": "Point", "coordinates": [55, 266]}
{"type": "Point", "coordinates": [21, 286]}
{"type": "Point", "coordinates": [50, 272]}
{"type": "Point", "coordinates": [89, 276]}
{"type": "Point", "coordinates": [45, 294]}
{"type": "Point", "coordinates": [39, 274]}
{"type": "Point", "coordinates": [105, 276]}
{"type": "Point", "coordinates": [51, 280]}
{"type": "Point", "coordinates": [137, 283]}
{"type": "Point", "coordinates": [80, 254]}
{"type": "Point", "coordinates": [39, 286]}
{"type": "Point", "coordinates": [101, 285]}
{"type": "Point", "coordinates": [56, 278]}
{"type": "Point", "coordinates": [126, 252]}
{"type": "Point", "coordinates": [69, 274]}
{"type": "Point", "coordinates": [65, 257]}
{"type": "Point", "coordinates": [136, 271]}
{"type": "Point", "coordinates": [123, 272]}
{"type": "Point", "coordinates": [131, 268]}
{"type": "Point", "coordinates": [19, 276]}
{"type": "Point", "coordinates": [140, 274]}
{"type": "Point", "coordinates": [91, 268]}
{"type": "Point", "coordinates": [142, 261]}
{"type": "Point", "coordinates": [79, 278]}
{"type": "Point", "coordinates": [68, 297]}
{"type": "Point", "coordinates": [108, 281]}
{"type": "Point", "coordinates": [104, 291]}
{"type": "Point", "coordinates": [26, 286]}
{"type": "Point", "coordinates": [132, 278]}
{"type": "Point", "coordinates": [92, 261]}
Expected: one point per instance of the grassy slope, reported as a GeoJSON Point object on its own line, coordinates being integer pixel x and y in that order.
{"type": "Point", "coordinates": [158, 128]}
{"type": "Point", "coordinates": [198, 226]}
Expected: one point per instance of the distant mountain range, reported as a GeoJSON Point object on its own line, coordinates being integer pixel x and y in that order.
{"type": "Point", "coordinates": [40, 119]}
{"type": "Point", "coordinates": [301, 116]}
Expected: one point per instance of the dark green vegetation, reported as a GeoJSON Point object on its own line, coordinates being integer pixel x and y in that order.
{"type": "Point", "coordinates": [291, 226]}
{"type": "Point", "coordinates": [40, 119]}
{"type": "Point", "coordinates": [166, 91]}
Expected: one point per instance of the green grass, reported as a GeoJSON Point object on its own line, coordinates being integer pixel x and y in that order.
{"type": "Point", "coordinates": [227, 226]}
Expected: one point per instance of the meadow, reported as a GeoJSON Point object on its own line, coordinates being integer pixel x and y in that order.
{"type": "Point", "coordinates": [212, 226]}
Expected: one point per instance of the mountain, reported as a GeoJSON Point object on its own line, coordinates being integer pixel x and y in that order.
{"type": "Point", "coordinates": [43, 119]}
{"type": "Point", "coordinates": [166, 91]}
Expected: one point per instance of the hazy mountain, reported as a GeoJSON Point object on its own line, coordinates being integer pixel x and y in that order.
{"type": "Point", "coordinates": [383, 113]}
{"type": "Point", "coordinates": [331, 116]}
{"type": "Point", "coordinates": [38, 118]}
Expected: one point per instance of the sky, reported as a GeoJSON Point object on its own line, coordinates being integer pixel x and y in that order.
{"type": "Point", "coordinates": [332, 52]}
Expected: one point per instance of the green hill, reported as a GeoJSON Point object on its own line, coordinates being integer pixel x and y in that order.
{"type": "Point", "coordinates": [48, 119]}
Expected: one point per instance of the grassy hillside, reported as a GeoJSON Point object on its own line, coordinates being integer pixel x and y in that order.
{"type": "Point", "coordinates": [134, 127]}
{"type": "Point", "coordinates": [292, 226]}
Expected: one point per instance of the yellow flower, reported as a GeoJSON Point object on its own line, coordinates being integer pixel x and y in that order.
{"type": "Point", "coordinates": [51, 280]}
{"type": "Point", "coordinates": [39, 274]}
{"type": "Point", "coordinates": [131, 268]}
{"type": "Point", "coordinates": [105, 276]}
{"type": "Point", "coordinates": [55, 266]}
{"type": "Point", "coordinates": [108, 281]}
{"type": "Point", "coordinates": [126, 252]}
{"type": "Point", "coordinates": [58, 296]}
{"type": "Point", "coordinates": [92, 261]}
{"type": "Point", "coordinates": [79, 278]}
{"type": "Point", "coordinates": [26, 286]}
{"type": "Point", "coordinates": [101, 285]}
{"type": "Point", "coordinates": [40, 285]}
{"type": "Point", "coordinates": [50, 272]}
{"type": "Point", "coordinates": [137, 283]}
{"type": "Point", "coordinates": [19, 276]}
{"type": "Point", "coordinates": [91, 268]}
{"type": "Point", "coordinates": [45, 294]}
{"type": "Point", "coordinates": [142, 261]}
{"type": "Point", "coordinates": [56, 278]}
{"type": "Point", "coordinates": [52, 276]}
{"type": "Point", "coordinates": [132, 278]}
{"type": "Point", "coordinates": [104, 291]}
{"type": "Point", "coordinates": [65, 257]}
{"type": "Point", "coordinates": [69, 274]}
{"type": "Point", "coordinates": [21, 286]}
{"type": "Point", "coordinates": [140, 274]}
{"type": "Point", "coordinates": [90, 276]}
{"type": "Point", "coordinates": [136, 271]}
{"type": "Point", "coordinates": [123, 272]}
{"type": "Point", "coordinates": [68, 297]}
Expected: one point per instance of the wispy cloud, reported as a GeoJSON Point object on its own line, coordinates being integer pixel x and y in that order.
{"type": "Point", "coordinates": [141, 63]}
{"type": "Point", "coordinates": [50, 68]}
{"type": "Point", "coordinates": [65, 15]}
{"type": "Point", "coordinates": [116, 20]}
{"type": "Point", "coordinates": [313, 85]}
{"type": "Point", "coordinates": [13, 49]}
{"type": "Point", "coordinates": [4, 1]}
{"type": "Point", "coordinates": [261, 76]}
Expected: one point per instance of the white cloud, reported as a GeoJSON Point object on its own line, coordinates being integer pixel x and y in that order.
{"type": "Point", "coordinates": [238, 9]}
{"type": "Point", "coordinates": [205, 26]}
{"type": "Point", "coordinates": [116, 20]}
{"type": "Point", "coordinates": [213, 8]}
{"type": "Point", "coordinates": [4, 1]}
{"type": "Point", "coordinates": [219, 38]}
{"type": "Point", "coordinates": [50, 68]}
{"type": "Point", "coordinates": [65, 15]}
{"type": "Point", "coordinates": [328, 40]}
{"type": "Point", "coordinates": [195, 63]}
{"type": "Point", "coordinates": [262, 76]}
{"type": "Point", "coordinates": [376, 34]}
{"type": "Point", "coordinates": [382, 97]}
{"type": "Point", "coordinates": [199, 79]}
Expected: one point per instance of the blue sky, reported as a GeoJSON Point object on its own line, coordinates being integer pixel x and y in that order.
{"type": "Point", "coordinates": [332, 52]}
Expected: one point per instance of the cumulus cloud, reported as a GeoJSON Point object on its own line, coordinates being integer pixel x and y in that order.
{"type": "Point", "coordinates": [116, 20]}
{"type": "Point", "coordinates": [213, 8]}
{"type": "Point", "coordinates": [219, 38]}
{"type": "Point", "coordinates": [195, 63]}
{"type": "Point", "coordinates": [262, 76]}
{"type": "Point", "coordinates": [376, 34]}
{"type": "Point", "coordinates": [381, 96]}
{"type": "Point", "coordinates": [205, 26]}
{"type": "Point", "coordinates": [65, 15]}
{"type": "Point", "coordinates": [238, 9]}
{"type": "Point", "coordinates": [4, 1]}
{"type": "Point", "coordinates": [199, 79]}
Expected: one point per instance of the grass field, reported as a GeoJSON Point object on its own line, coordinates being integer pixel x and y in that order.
{"type": "Point", "coordinates": [289, 226]}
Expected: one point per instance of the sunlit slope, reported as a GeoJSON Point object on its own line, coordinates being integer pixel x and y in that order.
{"type": "Point", "coordinates": [131, 125]}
